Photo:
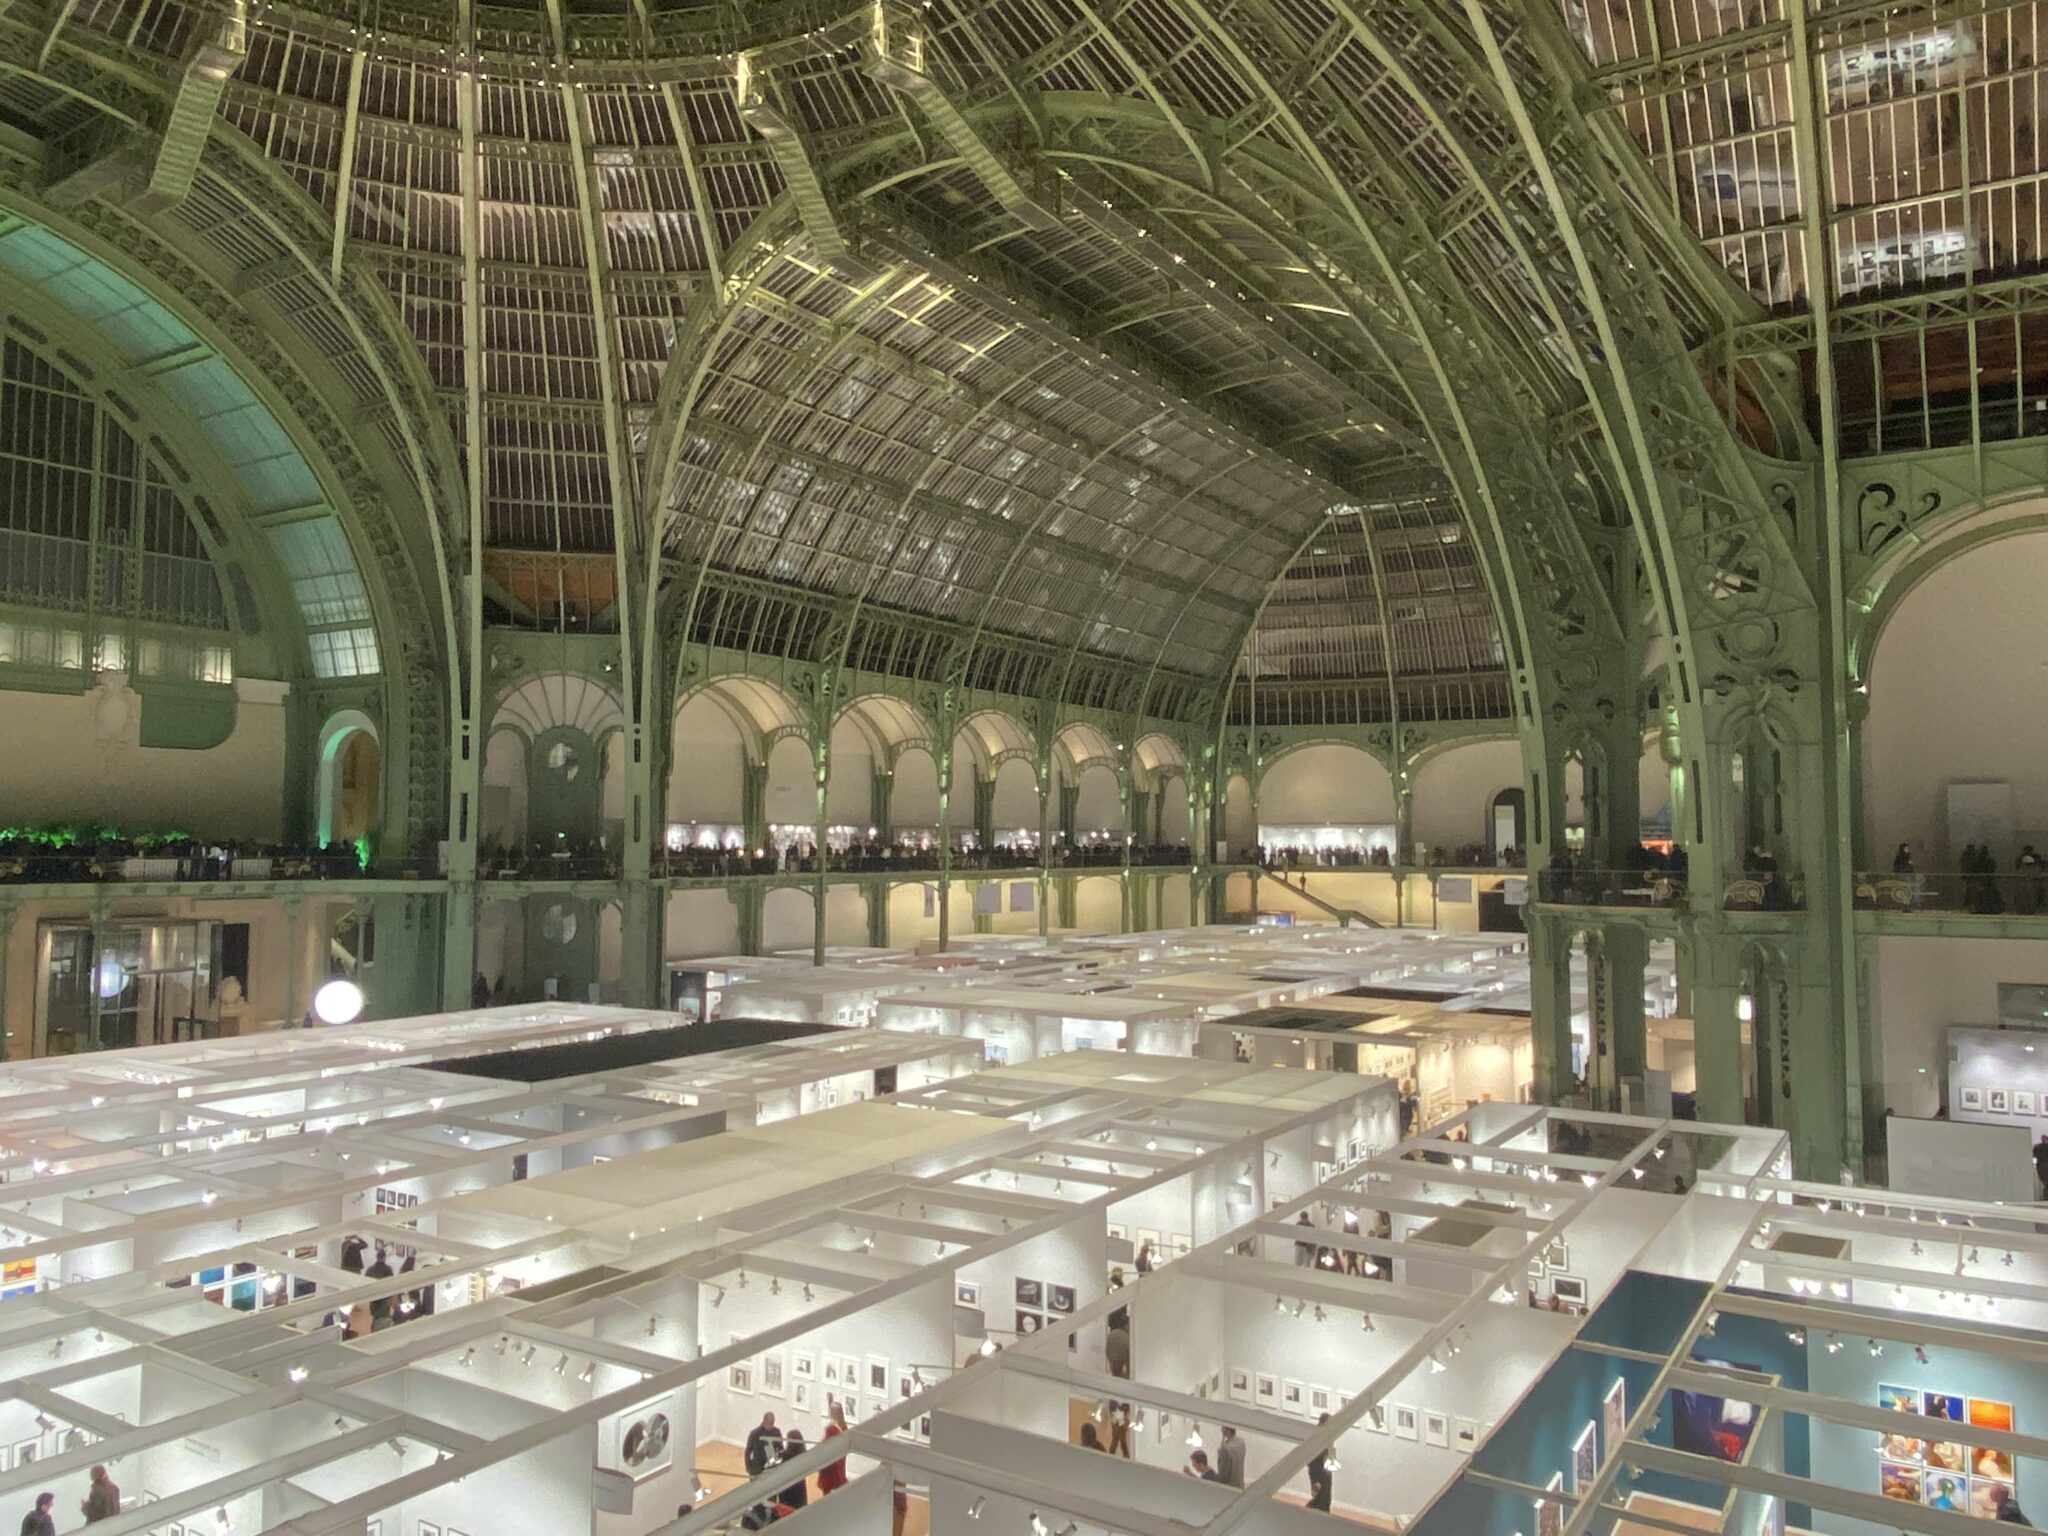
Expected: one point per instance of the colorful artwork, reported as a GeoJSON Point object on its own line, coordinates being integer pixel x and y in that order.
{"type": "Point", "coordinates": [1987, 1414]}
{"type": "Point", "coordinates": [1985, 1462]}
{"type": "Point", "coordinates": [1614, 1415]}
{"type": "Point", "coordinates": [1942, 1405]}
{"type": "Point", "coordinates": [1946, 1490]}
{"type": "Point", "coordinates": [1947, 1456]}
{"type": "Point", "coordinates": [1898, 1399]}
{"type": "Point", "coordinates": [1895, 1480]}
{"type": "Point", "coordinates": [1984, 1497]}
{"type": "Point", "coordinates": [1706, 1425]}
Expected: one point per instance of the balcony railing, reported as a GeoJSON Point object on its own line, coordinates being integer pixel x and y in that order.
{"type": "Point", "coordinates": [2020, 894]}
{"type": "Point", "coordinates": [1611, 887]}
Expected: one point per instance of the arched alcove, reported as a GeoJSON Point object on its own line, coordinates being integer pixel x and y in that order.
{"type": "Point", "coordinates": [1016, 804]}
{"type": "Point", "coordinates": [1959, 754]}
{"type": "Point", "coordinates": [1099, 808]}
{"type": "Point", "coordinates": [914, 802]}
{"type": "Point", "coordinates": [792, 797]}
{"type": "Point", "coordinates": [349, 798]}
{"type": "Point", "coordinates": [786, 920]}
{"type": "Point", "coordinates": [1238, 828]}
{"type": "Point", "coordinates": [1453, 795]}
{"type": "Point", "coordinates": [501, 814]}
{"type": "Point", "coordinates": [1174, 825]}
{"type": "Point", "coordinates": [849, 793]}
{"type": "Point", "coordinates": [708, 753]}
{"type": "Point", "coordinates": [1328, 783]}
{"type": "Point", "coordinates": [564, 788]}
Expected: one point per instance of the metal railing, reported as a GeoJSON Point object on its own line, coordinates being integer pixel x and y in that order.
{"type": "Point", "coordinates": [2022, 893]}
{"type": "Point", "coordinates": [1585, 887]}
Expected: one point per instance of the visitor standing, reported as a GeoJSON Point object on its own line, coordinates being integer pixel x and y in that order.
{"type": "Point", "coordinates": [37, 1522]}
{"type": "Point", "coordinates": [102, 1498]}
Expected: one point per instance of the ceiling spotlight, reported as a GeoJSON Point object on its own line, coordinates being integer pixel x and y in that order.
{"type": "Point", "coordinates": [397, 1447]}
{"type": "Point", "coordinates": [340, 1422]}
{"type": "Point", "coordinates": [562, 1365]}
{"type": "Point", "coordinates": [504, 1342]}
{"type": "Point", "coordinates": [743, 1279]}
{"type": "Point", "coordinates": [653, 1323]}
{"type": "Point", "coordinates": [774, 1285]}
{"type": "Point", "coordinates": [527, 1357]}
{"type": "Point", "coordinates": [1365, 1323]}
{"type": "Point", "coordinates": [298, 1373]}
{"type": "Point", "coordinates": [466, 1357]}
{"type": "Point", "coordinates": [1795, 1335]}
{"type": "Point", "coordinates": [698, 1492]}
{"type": "Point", "coordinates": [718, 1296]}
{"type": "Point", "coordinates": [1834, 1345]}
{"type": "Point", "coordinates": [807, 1293]}
{"type": "Point", "coordinates": [1320, 1315]}
{"type": "Point", "coordinates": [1876, 1348]}
{"type": "Point", "coordinates": [974, 1510]}
{"type": "Point", "coordinates": [589, 1370]}
{"type": "Point", "coordinates": [1920, 1353]}
{"type": "Point", "coordinates": [45, 1423]}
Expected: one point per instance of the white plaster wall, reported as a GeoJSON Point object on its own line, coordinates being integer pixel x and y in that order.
{"type": "Point", "coordinates": [1959, 690]}
{"type": "Point", "coordinates": [792, 784]}
{"type": "Point", "coordinates": [1453, 792]}
{"type": "Point", "coordinates": [699, 923]}
{"type": "Point", "coordinates": [1098, 806]}
{"type": "Point", "coordinates": [914, 800]}
{"type": "Point", "coordinates": [848, 791]}
{"type": "Point", "coordinates": [1099, 904]}
{"type": "Point", "coordinates": [1920, 986]}
{"type": "Point", "coordinates": [786, 920]}
{"type": "Point", "coordinates": [1326, 783]}
{"type": "Point", "coordinates": [88, 763]}
{"type": "Point", "coordinates": [705, 764]}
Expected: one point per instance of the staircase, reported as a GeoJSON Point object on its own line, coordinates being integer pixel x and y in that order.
{"type": "Point", "coordinates": [1345, 916]}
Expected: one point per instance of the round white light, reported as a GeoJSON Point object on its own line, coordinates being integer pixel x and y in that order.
{"type": "Point", "coordinates": [111, 978]}
{"type": "Point", "coordinates": [338, 1001]}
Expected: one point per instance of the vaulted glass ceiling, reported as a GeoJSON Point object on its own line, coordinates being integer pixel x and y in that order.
{"type": "Point", "coordinates": [1143, 334]}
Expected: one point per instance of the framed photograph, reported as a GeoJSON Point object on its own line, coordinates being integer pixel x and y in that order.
{"type": "Point", "coordinates": [1550, 1512]}
{"type": "Point", "coordinates": [800, 1394]}
{"type": "Point", "coordinates": [1060, 1298]}
{"type": "Point", "coordinates": [1465, 1435]}
{"type": "Point", "coordinates": [1988, 1413]}
{"type": "Point", "coordinates": [1265, 1390]}
{"type": "Point", "coordinates": [967, 1293]}
{"type": "Point", "coordinates": [832, 1371]}
{"type": "Point", "coordinates": [1030, 1293]}
{"type": "Point", "coordinates": [878, 1375]}
{"type": "Point", "coordinates": [1896, 1399]}
{"type": "Point", "coordinates": [906, 1383]}
{"type": "Point", "coordinates": [772, 1368]}
{"type": "Point", "coordinates": [2022, 1101]}
{"type": "Point", "coordinates": [1998, 1102]}
{"type": "Point", "coordinates": [639, 1441]}
{"type": "Point", "coordinates": [1947, 1490]}
{"type": "Point", "coordinates": [1614, 1416]}
{"type": "Point", "coordinates": [1376, 1418]}
{"type": "Point", "coordinates": [1028, 1322]}
{"type": "Point", "coordinates": [1436, 1428]}
{"type": "Point", "coordinates": [1942, 1405]}
{"type": "Point", "coordinates": [1947, 1456]}
{"type": "Point", "coordinates": [1984, 1497]}
{"type": "Point", "coordinates": [1240, 1385]}
{"type": "Point", "coordinates": [924, 1428]}
{"type": "Point", "coordinates": [1557, 1255]}
{"type": "Point", "coordinates": [1318, 1399]}
{"type": "Point", "coordinates": [26, 1451]}
{"type": "Point", "coordinates": [876, 1408]}
{"type": "Point", "coordinates": [803, 1365]}
{"type": "Point", "coordinates": [849, 1373]}
{"type": "Point", "coordinates": [1971, 1098]}
{"type": "Point", "coordinates": [374, 1526]}
{"type": "Point", "coordinates": [1898, 1480]}
{"type": "Point", "coordinates": [1293, 1397]}
{"type": "Point", "coordinates": [1901, 1447]}
{"type": "Point", "coordinates": [739, 1376]}
{"type": "Point", "coordinates": [1985, 1462]}
{"type": "Point", "coordinates": [1407, 1425]}
{"type": "Point", "coordinates": [427, 1528]}
{"type": "Point", "coordinates": [1569, 1292]}
{"type": "Point", "coordinates": [1585, 1459]}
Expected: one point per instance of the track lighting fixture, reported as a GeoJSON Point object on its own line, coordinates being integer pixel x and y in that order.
{"type": "Point", "coordinates": [589, 1370]}
{"type": "Point", "coordinates": [562, 1366]}
{"type": "Point", "coordinates": [297, 1373]}
{"type": "Point", "coordinates": [1834, 1345]}
{"type": "Point", "coordinates": [527, 1357]}
{"type": "Point", "coordinates": [974, 1510]}
{"type": "Point", "coordinates": [466, 1357]}
{"type": "Point", "coordinates": [743, 1279]}
{"type": "Point", "coordinates": [807, 1293]}
{"type": "Point", "coordinates": [1920, 1353]}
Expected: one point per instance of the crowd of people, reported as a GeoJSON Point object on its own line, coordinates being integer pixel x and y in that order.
{"type": "Point", "coordinates": [402, 1305]}
{"type": "Point", "coordinates": [869, 857]}
{"type": "Point", "coordinates": [38, 858]}
{"type": "Point", "coordinates": [769, 1445]}
{"type": "Point", "coordinates": [1979, 884]}
{"type": "Point", "coordinates": [1379, 856]}
{"type": "Point", "coordinates": [102, 1502]}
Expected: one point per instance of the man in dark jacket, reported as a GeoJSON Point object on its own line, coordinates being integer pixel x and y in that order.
{"type": "Point", "coordinates": [37, 1522]}
{"type": "Point", "coordinates": [2008, 1509]}
{"type": "Point", "coordinates": [103, 1498]}
{"type": "Point", "coordinates": [764, 1445]}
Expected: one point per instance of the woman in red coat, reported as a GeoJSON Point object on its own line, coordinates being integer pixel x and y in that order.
{"type": "Point", "coordinates": [832, 1475]}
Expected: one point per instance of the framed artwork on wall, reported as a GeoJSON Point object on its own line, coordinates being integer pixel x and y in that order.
{"type": "Point", "coordinates": [1406, 1426]}
{"type": "Point", "coordinates": [2022, 1101]}
{"type": "Point", "coordinates": [1614, 1415]}
{"type": "Point", "coordinates": [26, 1451]}
{"type": "Point", "coordinates": [1550, 1512]}
{"type": "Point", "coordinates": [876, 1408]}
{"type": "Point", "coordinates": [1436, 1428]}
{"type": "Point", "coordinates": [373, 1527]}
{"type": "Point", "coordinates": [1318, 1399]}
{"type": "Point", "coordinates": [1292, 1397]}
{"type": "Point", "coordinates": [878, 1375]}
{"type": "Point", "coordinates": [1900, 1480]}
{"type": "Point", "coordinates": [1585, 1458]}
{"type": "Point", "coordinates": [1998, 1101]}
{"type": "Point", "coordinates": [849, 1373]}
{"type": "Point", "coordinates": [1972, 1098]}
{"type": "Point", "coordinates": [1028, 1323]}
{"type": "Point", "coordinates": [1060, 1298]}
{"type": "Point", "coordinates": [800, 1395]}
{"type": "Point", "coordinates": [739, 1377]}
{"type": "Point", "coordinates": [967, 1293]}
{"type": "Point", "coordinates": [427, 1528]}
{"type": "Point", "coordinates": [1240, 1385]}
{"type": "Point", "coordinates": [1557, 1255]}
{"type": "Point", "coordinates": [832, 1371]}
{"type": "Point", "coordinates": [1465, 1435]}
{"type": "Point", "coordinates": [1376, 1418]}
{"type": "Point", "coordinates": [803, 1365]}
{"type": "Point", "coordinates": [772, 1368]}
{"type": "Point", "coordinates": [1030, 1293]}
{"type": "Point", "coordinates": [639, 1441]}
{"type": "Point", "coordinates": [1265, 1390]}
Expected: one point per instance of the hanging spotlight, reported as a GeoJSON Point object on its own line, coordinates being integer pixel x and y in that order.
{"type": "Point", "coordinates": [589, 1370]}
{"type": "Point", "coordinates": [466, 1357]}
{"type": "Point", "coordinates": [1834, 1345]}
{"type": "Point", "coordinates": [974, 1510]}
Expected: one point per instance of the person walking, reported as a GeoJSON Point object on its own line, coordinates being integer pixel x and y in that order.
{"type": "Point", "coordinates": [1320, 1484]}
{"type": "Point", "coordinates": [102, 1497]}
{"type": "Point", "coordinates": [1116, 1350]}
{"type": "Point", "coordinates": [832, 1476]}
{"type": "Point", "coordinates": [2041, 1164]}
{"type": "Point", "coordinates": [764, 1444]}
{"type": "Point", "coordinates": [1230, 1459]}
{"type": "Point", "coordinates": [38, 1521]}
{"type": "Point", "coordinates": [798, 1493]}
